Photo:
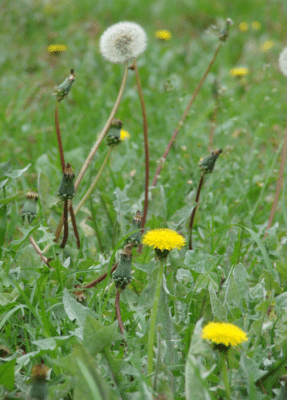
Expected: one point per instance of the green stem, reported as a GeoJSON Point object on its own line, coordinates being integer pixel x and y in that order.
{"type": "Point", "coordinates": [95, 181]}
{"type": "Point", "coordinates": [151, 333]}
{"type": "Point", "coordinates": [224, 375]}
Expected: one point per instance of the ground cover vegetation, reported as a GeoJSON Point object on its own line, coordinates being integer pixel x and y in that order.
{"type": "Point", "coordinates": [142, 200]}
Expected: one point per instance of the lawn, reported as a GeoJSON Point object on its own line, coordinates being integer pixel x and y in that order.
{"type": "Point", "coordinates": [109, 307]}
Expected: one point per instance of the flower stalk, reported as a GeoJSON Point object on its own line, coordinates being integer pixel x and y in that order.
{"type": "Point", "coordinates": [224, 372]}
{"type": "Point", "coordinates": [152, 327]}
{"type": "Point", "coordinates": [180, 124]}
{"type": "Point", "coordinates": [145, 131]}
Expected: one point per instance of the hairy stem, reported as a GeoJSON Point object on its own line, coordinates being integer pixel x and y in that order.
{"type": "Point", "coordinates": [118, 311]}
{"type": "Point", "coordinates": [73, 219]}
{"type": "Point", "coordinates": [100, 279]}
{"type": "Point", "coordinates": [57, 125]}
{"type": "Point", "coordinates": [66, 227]}
{"type": "Point", "coordinates": [180, 124]}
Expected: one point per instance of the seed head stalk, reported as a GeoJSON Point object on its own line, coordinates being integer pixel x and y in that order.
{"type": "Point", "coordinates": [145, 132]}
{"type": "Point", "coordinates": [96, 146]}
{"type": "Point", "coordinates": [180, 124]}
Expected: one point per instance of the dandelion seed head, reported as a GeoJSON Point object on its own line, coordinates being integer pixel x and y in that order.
{"type": "Point", "coordinates": [122, 42]}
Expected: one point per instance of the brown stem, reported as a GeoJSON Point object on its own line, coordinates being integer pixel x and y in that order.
{"type": "Point", "coordinates": [212, 126]}
{"type": "Point", "coordinates": [194, 211]}
{"type": "Point", "coordinates": [38, 250]}
{"type": "Point", "coordinates": [145, 131]}
{"type": "Point", "coordinates": [279, 182]}
{"type": "Point", "coordinates": [118, 311]}
{"type": "Point", "coordinates": [100, 279]}
{"type": "Point", "coordinates": [66, 227]}
{"type": "Point", "coordinates": [73, 219]}
{"type": "Point", "coordinates": [59, 138]}
{"type": "Point", "coordinates": [180, 124]}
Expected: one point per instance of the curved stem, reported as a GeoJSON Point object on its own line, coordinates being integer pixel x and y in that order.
{"type": "Point", "coordinates": [279, 183]}
{"type": "Point", "coordinates": [57, 125]}
{"type": "Point", "coordinates": [100, 279]}
{"type": "Point", "coordinates": [151, 333]}
{"type": "Point", "coordinates": [145, 131]}
{"type": "Point", "coordinates": [194, 211]}
{"type": "Point", "coordinates": [180, 124]}
{"type": "Point", "coordinates": [105, 129]}
{"type": "Point", "coordinates": [73, 219]}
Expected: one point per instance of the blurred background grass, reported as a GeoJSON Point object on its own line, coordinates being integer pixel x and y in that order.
{"type": "Point", "coordinates": [250, 121]}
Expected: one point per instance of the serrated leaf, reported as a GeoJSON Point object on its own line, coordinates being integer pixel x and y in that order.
{"type": "Point", "coordinates": [218, 310]}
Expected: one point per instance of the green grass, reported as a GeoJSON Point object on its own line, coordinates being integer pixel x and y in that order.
{"type": "Point", "coordinates": [233, 274]}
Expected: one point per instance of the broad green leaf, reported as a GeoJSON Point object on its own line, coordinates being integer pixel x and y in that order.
{"type": "Point", "coordinates": [16, 173]}
{"type": "Point", "coordinates": [218, 310]}
{"type": "Point", "coordinates": [7, 376]}
{"type": "Point", "coordinates": [75, 310]}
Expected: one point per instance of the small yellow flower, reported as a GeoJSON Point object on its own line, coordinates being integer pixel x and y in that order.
{"type": "Point", "coordinates": [224, 333]}
{"type": "Point", "coordinates": [56, 48]}
{"type": "Point", "coordinates": [239, 72]}
{"type": "Point", "coordinates": [256, 25]}
{"type": "Point", "coordinates": [163, 34]}
{"type": "Point", "coordinates": [163, 239]}
{"type": "Point", "coordinates": [267, 45]}
{"type": "Point", "coordinates": [124, 135]}
{"type": "Point", "coordinates": [243, 26]}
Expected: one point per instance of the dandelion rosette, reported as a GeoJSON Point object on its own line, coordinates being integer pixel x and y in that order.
{"type": "Point", "coordinates": [163, 34]}
{"type": "Point", "coordinates": [122, 42]}
{"type": "Point", "coordinates": [163, 240]}
{"type": "Point", "coordinates": [283, 61]}
{"type": "Point", "coordinates": [224, 333]}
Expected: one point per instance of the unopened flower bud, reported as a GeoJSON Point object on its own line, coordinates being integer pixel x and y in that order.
{"type": "Point", "coordinates": [67, 189]}
{"type": "Point", "coordinates": [63, 89]}
{"type": "Point", "coordinates": [30, 206]}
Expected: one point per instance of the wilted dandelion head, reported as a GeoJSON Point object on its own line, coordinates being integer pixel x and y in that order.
{"type": "Point", "coordinates": [243, 26]}
{"type": "Point", "coordinates": [163, 239]}
{"type": "Point", "coordinates": [224, 333]}
{"type": "Point", "coordinates": [163, 34]}
{"type": "Point", "coordinates": [124, 135]}
{"type": "Point", "coordinates": [266, 45]}
{"type": "Point", "coordinates": [239, 71]}
{"type": "Point", "coordinates": [122, 42]}
{"type": "Point", "coordinates": [283, 61]}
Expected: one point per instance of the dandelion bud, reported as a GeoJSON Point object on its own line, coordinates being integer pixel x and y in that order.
{"type": "Point", "coordinates": [63, 89]}
{"type": "Point", "coordinates": [30, 206]}
{"type": "Point", "coordinates": [223, 35]}
{"type": "Point", "coordinates": [208, 163]}
{"type": "Point", "coordinates": [135, 238]}
{"type": "Point", "coordinates": [67, 189]}
{"type": "Point", "coordinates": [39, 389]}
{"type": "Point", "coordinates": [123, 274]}
{"type": "Point", "coordinates": [114, 133]}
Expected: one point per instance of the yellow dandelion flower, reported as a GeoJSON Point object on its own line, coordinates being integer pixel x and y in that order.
{"type": "Point", "coordinates": [124, 135]}
{"type": "Point", "coordinates": [163, 34]}
{"type": "Point", "coordinates": [224, 333]}
{"type": "Point", "coordinates": [256, 25]}
{"type": "Point", "coordinates": [267, 45]}
{"type": "Point", "coordinates": [239, 72]}
{"type": "Point", "coordinates": [243, 26]}
{"type": "Point", "coordinates": [163, 239]}
{"type": "Point", "coordinates": [56, 48]}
